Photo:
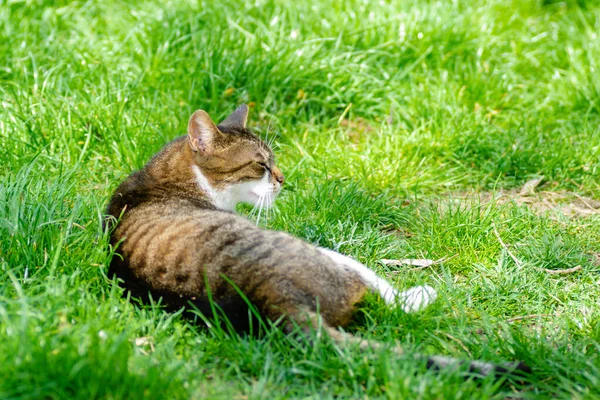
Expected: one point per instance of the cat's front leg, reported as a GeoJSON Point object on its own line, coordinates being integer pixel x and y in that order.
{"type": "Point", "coordinates": [411, 300]}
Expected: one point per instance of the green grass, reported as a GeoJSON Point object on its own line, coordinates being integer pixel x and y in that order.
{"type": "Point", "coordinates": [387, 117]}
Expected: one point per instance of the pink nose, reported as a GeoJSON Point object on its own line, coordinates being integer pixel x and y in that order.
{"type": "Point", "coordinates": [278, 175]}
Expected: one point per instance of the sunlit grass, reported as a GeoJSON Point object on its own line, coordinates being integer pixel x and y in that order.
{"type": "Point", "coordinates": [386, 118]}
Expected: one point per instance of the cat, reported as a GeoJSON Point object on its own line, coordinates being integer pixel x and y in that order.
{"type": "Point", "coordinates": [178, 238]}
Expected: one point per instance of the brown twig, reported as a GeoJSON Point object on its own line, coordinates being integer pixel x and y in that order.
{"type": "Point", "coordinates": [429, 263]}
{"type": "Point", "coordinates": [515, 259]}
{"type": "Point", "coordinates": [561, 271]}
{"type": "Point", "coordinates": [585, 202]}
{"type": "Point", "coordinates": [441, 260]}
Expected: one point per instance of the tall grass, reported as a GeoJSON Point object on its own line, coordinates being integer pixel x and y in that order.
{"type": "Point", "coordinates": [386, 117]}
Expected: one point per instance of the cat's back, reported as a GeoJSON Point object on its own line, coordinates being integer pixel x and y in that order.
{"type": "Point", "coordinates": [174, 243]}
{"type": "Point", "coordinates": [165, 241]}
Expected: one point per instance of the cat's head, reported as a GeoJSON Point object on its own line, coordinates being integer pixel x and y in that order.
{"type": "Point", "coordinates": [231, 164]}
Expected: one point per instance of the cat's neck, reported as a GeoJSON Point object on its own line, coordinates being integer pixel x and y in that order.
{"type": "Point", "coordinates": [222, 199]}
{"type": "Point", "coordinates": [174, 168]}
{"type": "Point", "coordinates": [168, 175]}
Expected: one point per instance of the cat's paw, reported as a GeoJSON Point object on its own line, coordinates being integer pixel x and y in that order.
{"type": "Point", "coordinates": [416, 298]}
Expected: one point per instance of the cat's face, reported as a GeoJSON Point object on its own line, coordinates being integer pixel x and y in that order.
{"type": "Point", "coordinates": [231, 164]}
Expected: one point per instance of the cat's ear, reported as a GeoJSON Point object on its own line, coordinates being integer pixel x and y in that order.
{"type": "Point", "coordinates": [202, 132]}
{"type": "Point", "coordinates": [237, 119]}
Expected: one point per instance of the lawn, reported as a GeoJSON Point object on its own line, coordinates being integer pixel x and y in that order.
{"type": "Point", "coordinates": [466, 130]}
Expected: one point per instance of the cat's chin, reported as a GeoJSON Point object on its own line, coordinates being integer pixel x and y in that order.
{"type": "Point", "coordinates": [265, 201]}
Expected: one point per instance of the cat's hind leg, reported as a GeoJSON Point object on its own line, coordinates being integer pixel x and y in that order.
{"type": "Point", "coordinates": [411, 300]}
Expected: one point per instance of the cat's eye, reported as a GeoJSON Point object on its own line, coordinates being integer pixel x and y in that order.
{"type": "Point", "coordinates": [265, 166]}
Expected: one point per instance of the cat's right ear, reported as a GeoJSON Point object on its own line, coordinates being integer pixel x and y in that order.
{"type": "Point", "coordinates": [202, 132]}
{"type": "Point", "coordinates": [238, 118]}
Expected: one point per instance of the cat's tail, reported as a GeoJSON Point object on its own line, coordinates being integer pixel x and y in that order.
{"type": "Point", "coordinates": [475, 368]}
{"type": "Point", "coordinates": [411, 300]}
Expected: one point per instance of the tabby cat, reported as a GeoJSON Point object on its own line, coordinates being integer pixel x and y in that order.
{"type": "Point", "coordinates": [179, 239]}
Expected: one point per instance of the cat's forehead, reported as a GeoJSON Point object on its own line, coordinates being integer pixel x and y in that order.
{"type": "Point", "coordinates": [249, 142]}
{"type": "Point", "coordinates": [258, 149]}
{"type": "Point", "coordinates": [263, 149]}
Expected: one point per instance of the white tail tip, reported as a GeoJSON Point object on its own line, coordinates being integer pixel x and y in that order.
{"type": "Point", "coordinates": [416, 298]}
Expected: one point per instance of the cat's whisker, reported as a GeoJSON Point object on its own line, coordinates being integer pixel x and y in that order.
{"type": "Point", "coordinates": [260, 208]}
{"type": "Point", "coordinates": [270, 140]}
{"type": "Point", "coordinates": [265, 208]}
{"type": "Point", "coordinates": [269, 202]}
{"type": "Point", "coordinates": [269, 128]}
{"type": "Point", "coordinates": [268, 205]}
{"type": "Point", "coordinates": [253, 211]}
{"type": "Point", "coordinates": [267, 136]}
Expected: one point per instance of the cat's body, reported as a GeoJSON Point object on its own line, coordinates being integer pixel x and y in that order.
{"type": "Point", "coordinates": [177, 240]}
{"type": "Point", "coordinates": [178, 237]}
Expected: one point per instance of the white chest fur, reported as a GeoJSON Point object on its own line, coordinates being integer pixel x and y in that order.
{"type": "Point", "coordinates": [257, 192]}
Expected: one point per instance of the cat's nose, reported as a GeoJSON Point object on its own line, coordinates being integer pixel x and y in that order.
{"type": "Point", "coordinates": [278, 175]}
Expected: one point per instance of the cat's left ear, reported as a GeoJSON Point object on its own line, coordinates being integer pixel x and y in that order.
{"type": "Point", "coordinates": [202, 132]}
{"type": "Point", "coordinates": [237, 119]}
